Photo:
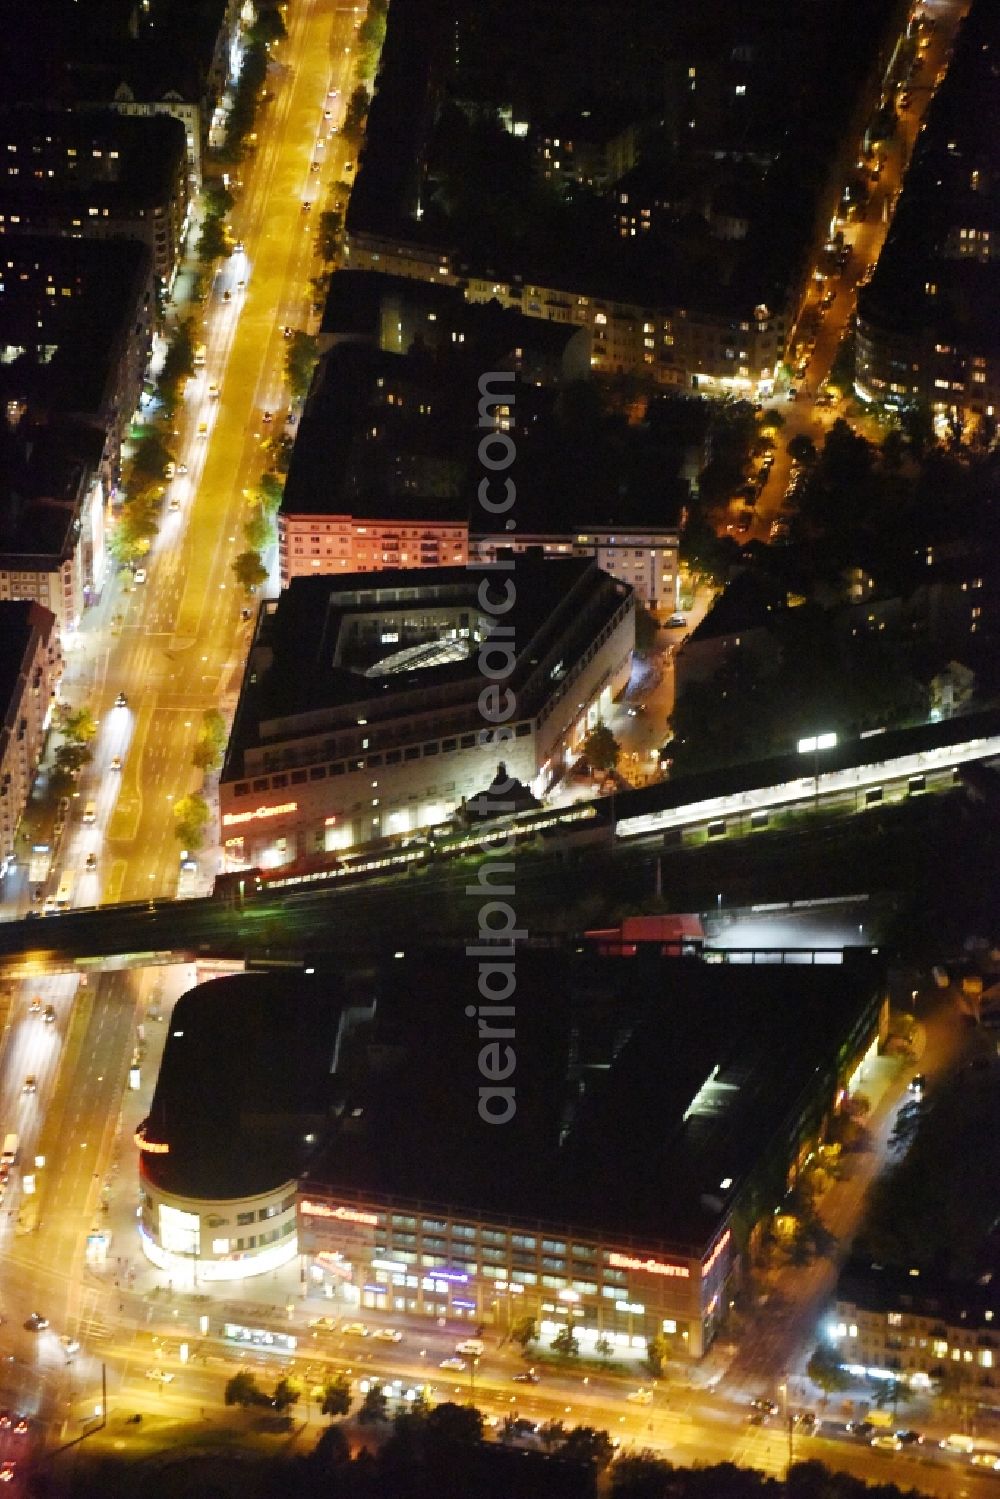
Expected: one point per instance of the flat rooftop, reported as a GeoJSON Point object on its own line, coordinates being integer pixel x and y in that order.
{"type": "Point", "coordinates": [79, 159]}
{"type": "Point", "coordinates": [247, 1069]}
{"type": "Point", "coordinates": [66, 306]}
{"type": "Point", "coordinates": [45, 471]}
{"type": "Point", "coordinates": [315, 656]}
{"type": "Point", "coordinates": [642, 1085]}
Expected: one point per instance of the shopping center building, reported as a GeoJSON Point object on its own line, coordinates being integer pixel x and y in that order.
{"type": "Point", "coordinates": [663, 1109]}
{"type": "Point", "coordinates": [372, 705]}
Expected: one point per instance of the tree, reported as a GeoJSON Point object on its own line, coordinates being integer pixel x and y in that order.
{"type": "Point", "coordinates": [128, 541]}
{"type": "Point", "coordinates": [250, 571]}
{"type": "Point", "coordinates": [601, 748]}
{"type": "Point", "coordinates": [656, 1352]}
{"type": "Point", "coordinates": [454, 1425]}
{"type": "Point", "coordinates": [565, 1342]}
{"type": "Point", "coordinates": [211, 741]}
{"type": "Point", "coordinates": [212, 242]}
{"type": "Point", "coordinates": [268, 27]}
{"type": "Point", "coordinates": [269, 492]}
{"type": "Point", "coordinates": [524, 1331]}
{"type": "Point", "coordinates": [584, 1444]}
{"type": "Point", "coordinates": [802, 448]}
{"type": "Point", "coordinates": [191, 816]}
{"type": "Point", "coordinates": [355, 113]}
{"type": "Point", "coordinates": [287, 1392]}
{"type": "Point", "coordinates": [70, 758]}
{"type": "Point", "coordinates": [76, 724]}
{"type": "Point", "coordinates": [641, 1477]}
{"type": "Point", "coordinates": [892, 451]}
{"type": "Point", "coordinates": [151, 457]}
{"type": "Point", "coordinates": [332, 1451]}
{"type": "Point", "coordinates": [603, 1347]}
{"type": "Point", "coordinates": [300, 361]}
{"type": "Point", "coordinates": [218, 200]}
{"type": "Point", "coordinates": [374, 1407]}
{"type": "Point", "coordinates": [329, 230]}
{"type": "Point", "coordinates": [337, 1397]}
{"type": "Point", "coordinates": [178, 362]}
{"type": "Point", "coordinates": [244, 1390]}
{"type": "Point", "coordinates": [824, 1370]}
{"type": "Point", "coordinates": [258, 529]}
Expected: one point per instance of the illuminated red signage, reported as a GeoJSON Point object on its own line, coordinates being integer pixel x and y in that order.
{"type": "Point", "coordinates": [233, 819]}
{"type": "Point", "coordinates": [152, 1147]}
{"type": "Point", "coordinates": [653, 1267]}
{"type": "Point", "coordinates": [344, 1215]}
{"type": "Point", "coordinates": [710, 1263]}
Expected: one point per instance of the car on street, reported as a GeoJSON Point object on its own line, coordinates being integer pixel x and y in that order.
{"type": "Point", "coordinates": [140, 575]}
{"type": "Point", "coordinates": [21, 1426]}
{"type": "Point", "coordinates": [910, 1438]}
{"type": "Point", "coordinates": [182, 468]}
{"type": "Point", "coordinates": [121, 701]}
{"type": "Point", "coordinates": [91, 862]}
{"type": "Point", "coordinates": [328, 114]}
{"type": "Point", "coordinates": [174, 504]}
{"type": "Point", "coordinates": [765, 1406]}
{"type": "Point", "coordinates": [287, 331]}
{"type": "Point", "coordinates": [323, 1324]}
{"type": "Point", "coordinates": [227, 295]}
{"type": "Point", "coordinates": [50, 1014]}
{"type": "Point", "coordinates": [388, 1335]}
{"type": "Point", "coordinates": [170, 470]}
{"type": "Point", "coordinates": [5, 1420]}
{"type": "Point", "coordinates": [917, 1083]}
{"type": "Point", "coordinates": [355, 1329]}
{"type": "Point", "coordinates": [268, 416]}
{"type": "Point", "coordinates": [238, 247]}
{"type": "Point", "coordinates": [202, 429]}
{"type": "Point", "coordinates": [160, 1376]}
{"type": "Point", "coordinates": [887, 1443]}
{"type": "Point", "coordinates": [69, 1345]}
{"type": "Point", "coordinates": [306, 205]}
{"type": "Point", "coordinates": [859, 1428]}
{"type": "Point", "coordinates": [676, 622]}
{"type": "Point", "coordinates": [35, 1007]}
{"type": "Point", "coordinates": [520, 1426]}
{"type": "Point", "coordinates": [471, 1347]}
{"type": "Point", "coordinates": [36, 1323]}
{"type": "Point", "coordinates": [213, 391]}
{"type": "Point", "coordinates": [7, 1472]}
{"type": "Point", "coordinates": [987, 1460]}
{"type": "Point", "coordinates": [456, 1364]}
{"type": "Point", "coordinates": [640, 1396]}
{"type": "Point", "coordinates": [30, 1084]}
{"type": "Point", "coordinates": [526, 1376]}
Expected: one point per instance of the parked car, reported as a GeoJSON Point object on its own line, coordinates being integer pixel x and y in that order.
{"type": "Point", "coordinates": [388, 1334]}
{"type": "Point", "coordinates": [640, 1396]}
{"type": "Point", "coordinates": [455, 1364]}
{"type": "Point", "coordinates": [526, 1376]}
{"type": "Point", "coordinates": [909, 1438]}
{"type": "Point", "coordinates": [355, 1329]}
{"type": "Point", "coordinates": [887, 1443]}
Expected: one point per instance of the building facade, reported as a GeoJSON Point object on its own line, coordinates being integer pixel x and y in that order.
{"type": "Point", "coordinates": [918, 1328]}
{"type": "Point", "coordinates": [217, 1241]}
{"type": "Point", "coordinates": [96, 175]}
{"type": "Point", "coordinates": [314, 544]}
{"type": "Point", "coordinates": [428, 1260]}
{"type": "Point", "coordinates": [30, 671]}
{"type": "Point", "coordinates": [647, 559]}
{"type": "Point", "coordinates": [349, 756]}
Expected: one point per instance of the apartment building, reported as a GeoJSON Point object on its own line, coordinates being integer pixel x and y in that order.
{"type": "Point", "coordinates": [30, 669]}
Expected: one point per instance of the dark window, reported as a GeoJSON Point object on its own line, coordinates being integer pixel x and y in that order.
{"type": "Point", "coordinates": [468, 741]}
{"type": "Point", "coordinates": [521, 730]}
{"type": "Point", "coordinates": [413, 753]}
{"type": "Point", "coordinates": [261, 783]}
{"type": "Point", "coordinates": [393, 757]}
{"type": "Point", "coordinates": [244, 1217]}
{"type": "Point", "coordinates": [338, 769]}
{"type": "Point", "coordinates": [374, 761]}
{"type": "Point", "coordinates": [241, 788]}
{"type": "Point", "coordinates": [432, 748]}
{"type": "Point", "coordinates": [317, 773]}
{"type": "Point", "coordinates": [298, 777]}
{"type": "Point", "coordinates": [279, 781]}
{"type": "Point", "coordinates": [717, 829]}
{"type": "Point", "coordinates": [448, 744]}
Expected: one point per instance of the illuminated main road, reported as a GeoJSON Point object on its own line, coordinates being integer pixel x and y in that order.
{"type": "Point", "coordinates": [180, 646]}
